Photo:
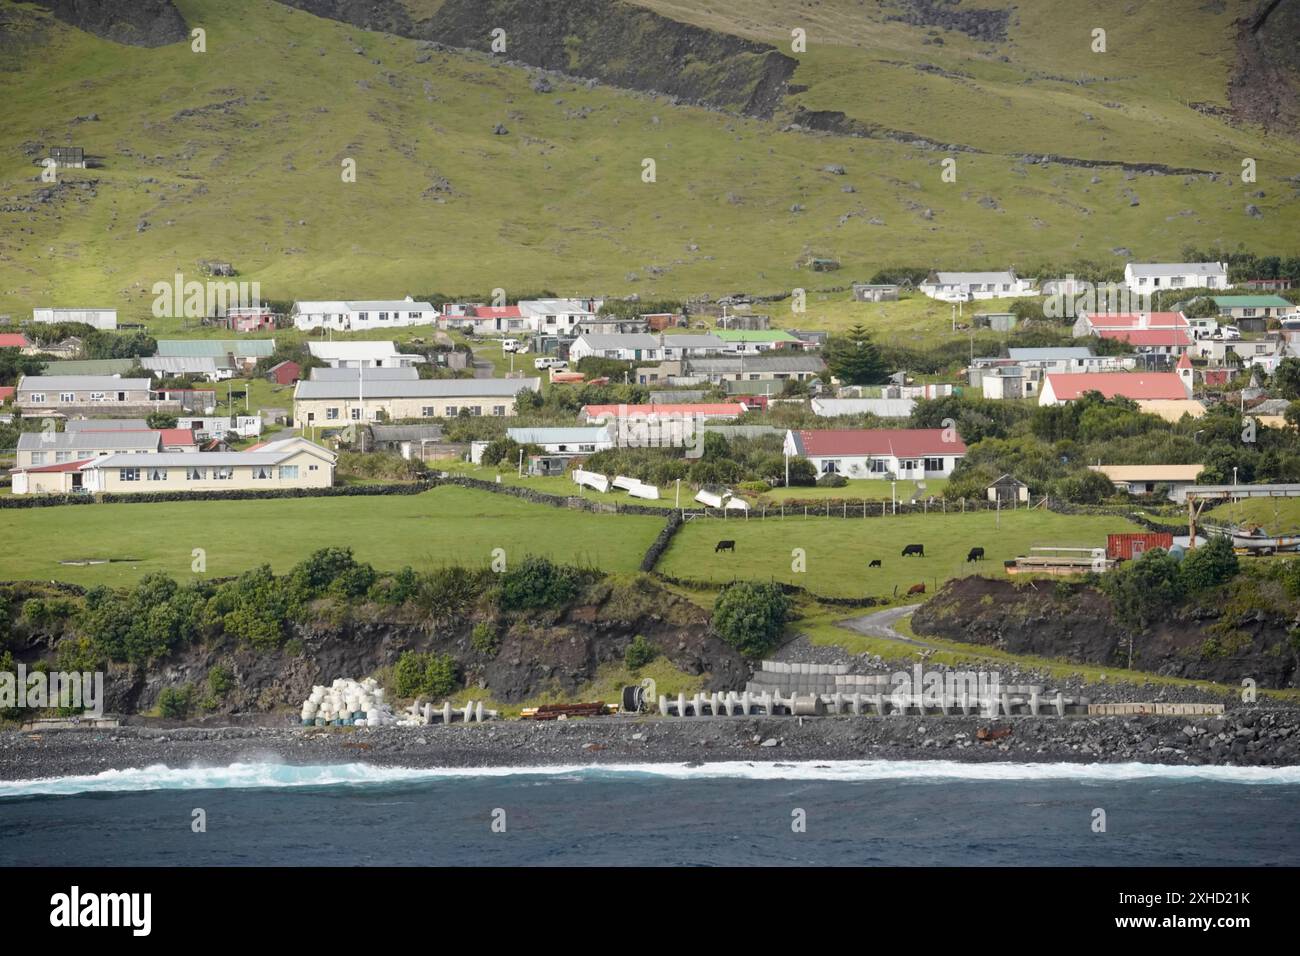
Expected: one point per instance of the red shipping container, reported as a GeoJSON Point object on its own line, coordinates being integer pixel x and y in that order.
{"type": "Point", "coordinates": [1127, 547]}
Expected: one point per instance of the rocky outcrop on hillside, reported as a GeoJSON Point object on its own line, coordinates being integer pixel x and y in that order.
{"type": "Point", "coordinates": [1265, 85]}
{"type": "Point", "coordinates": [131, 22]}
{"type": "Point", "coordinates": [606, 40]}
{"type": "Point", "coordinates": [1225, 640]}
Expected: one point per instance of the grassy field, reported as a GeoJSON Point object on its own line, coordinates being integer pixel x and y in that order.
{"type": "Point", "coordinates": [236, 154]}
{"type": "Point", "coordinates": [1272, 514]}
{"type": "Point", "coordinates": [444, 526]}
{"type": "Point", "coordinates": [558, 485]}
{"type": "Point", "coordinates": [837, 549]}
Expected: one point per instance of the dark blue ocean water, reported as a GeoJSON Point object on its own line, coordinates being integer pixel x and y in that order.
{"type": "Point", "coordinates": [912, 814]}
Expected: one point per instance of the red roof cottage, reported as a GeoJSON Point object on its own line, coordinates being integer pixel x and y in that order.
{"type": "Point", "coordinates": [879, 452]}
{"type": "Point", "coordinates": [1139, 386]}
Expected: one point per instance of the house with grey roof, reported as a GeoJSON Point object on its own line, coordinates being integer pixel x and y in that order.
{"type": "Point", "coordinates": [337, 403]}
{"type": "Point", "coordinates": [89, 395]}
{"type": "Point", "coordinates": [970, 286]}
{"type": "Point", "coordinates": [1145, 278]}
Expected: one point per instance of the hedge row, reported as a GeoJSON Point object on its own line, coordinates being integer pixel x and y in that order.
{"type": "Point", "coordinates": [795, 589]}
{"type": "Point", "coordinates": [661, 541]}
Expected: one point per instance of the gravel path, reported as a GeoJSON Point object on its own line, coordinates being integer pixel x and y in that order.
{"type": "Point", "coordinates": [881, 624]}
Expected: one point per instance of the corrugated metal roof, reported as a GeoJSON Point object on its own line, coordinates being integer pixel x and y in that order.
{"type": "Point", "coordinates": [883, 407]}
{"type": "Point", "coordinates": [558, 436]}
{"type": "Point", "coordinates": [89, 441]}
{"type": "Point", "coordinates": [408, 373]}
{"type": "Point", "coordinates": [423, 388]}
{"type": "Point", "coordinates": [82, 383]}
{"type": "Point", "coordinates": [896, 442]}
{"type": "Point", "coordinates": [215, 348]}
{"type": "Point", "coordinates": [106, 425]}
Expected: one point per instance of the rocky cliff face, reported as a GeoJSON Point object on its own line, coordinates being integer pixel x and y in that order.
{"type": "Point", "coordinates": [132, 22]}
{"type": "Point", "coordinates": [538, 653]}
{"type": "Point", "coordinates": [606, 40]}
{"type": "Point", "coordinates": [1224, 643]}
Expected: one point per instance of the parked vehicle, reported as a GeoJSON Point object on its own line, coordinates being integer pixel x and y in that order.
{"type": "Point", "coordinates": [550, 362]}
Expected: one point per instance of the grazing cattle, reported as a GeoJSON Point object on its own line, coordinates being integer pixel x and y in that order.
{"type": "Point", "coordinates": [725, 546]}
{"type": "Point", "coordinates": [917, 549]}
{"type": "Point", "coordinates": [874, 564]}
{"type": "Point", "coordinates": [917, 588]}
{"type": "Point", "coordinates": [976, 554]}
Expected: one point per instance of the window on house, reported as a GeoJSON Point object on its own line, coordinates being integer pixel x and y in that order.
{"type": "Point", "coordinates": [261, 472]}
{"type": "Point", "coordinates": [452, 411]}
{"type": "Point", "coordinates": [934, 464]}
{"type": "Point", "coordinates": [38, 458]}
{"type": "Point", "coordinates": [67, 398]}
{"type": "Point", "coordinates": [96, 396]}
{"type": "Point", "coordinates": [128, 474]}
{"type": "Point", "coordinates": [313, 467]}
{"type": "Point", "coordinates": [224, 473]}
{"type": "Point", "coordinates": [498, 410]}
{"type": "Point", "coordinates": [426, 411]}
{"type": "Point", "coordinates": [908, 464]}
{"type": "Point", "coordinates": [157, 474]}
{"type": "Point", "coordinates": [476, 409]}
{"type": "Point", "coordinates": [830, 466]}
{"type": "Point", "coordinates": [38, 398]}
{"type": "Point", "coordinates": [363, 316]}
{"type": "Point", "coordinates": [331, 414]}
{"type": "Point", "coordinates": [62, 456]}
{"type": "Point", "coordinates": [356, 414]}
{"type": "Point", "coordinates": [289, 472]}
{"type": "Point", "coordinates": [383, 316]}
{"type": "Point", "coordinates": [196, 474]}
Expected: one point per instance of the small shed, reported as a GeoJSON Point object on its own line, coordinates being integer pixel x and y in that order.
{"type": "Point", "coordinates": [1130, 546]}
{"type": "Point", "coordinates": [285, 373]}
{"type": "Point", "coordinates": [72, 156]}
{"type": "Point", "coordinates": [1009, 491]}
{"type": "Point", "coordinates": [871, 292]}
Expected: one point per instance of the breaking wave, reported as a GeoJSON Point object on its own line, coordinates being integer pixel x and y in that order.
{"type": "Point", "coordinates": [240, 776]}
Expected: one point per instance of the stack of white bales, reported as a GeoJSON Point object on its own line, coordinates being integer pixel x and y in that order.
{"type": "Point", "coordinates": [349, 703]}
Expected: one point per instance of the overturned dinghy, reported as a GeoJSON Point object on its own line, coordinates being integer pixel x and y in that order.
{"type": "Point", "coordinates": [590, 479]}
{"type": "Point", "coordinates": [649, 492]}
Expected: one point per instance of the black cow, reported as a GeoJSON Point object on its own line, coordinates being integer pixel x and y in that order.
{"type": "Point", "coordinates": [874, 564]}
{"type": "Point", "coordinates": [976, 554]}
{"type": "Point", "coordinates": [917, 549]}
{"type": "Point", "coordinates": [725, 546]}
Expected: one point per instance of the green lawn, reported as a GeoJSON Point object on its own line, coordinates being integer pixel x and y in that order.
{"type": "Point", "coordinates": [559, 485]}
{"type": "Point", "coordinates": [838, 549]}
{"type": "Point", "coordinates": [447, 525]}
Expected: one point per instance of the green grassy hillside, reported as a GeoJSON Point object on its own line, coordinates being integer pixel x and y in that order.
{"type": "Point", "coordinates": [235, 154]}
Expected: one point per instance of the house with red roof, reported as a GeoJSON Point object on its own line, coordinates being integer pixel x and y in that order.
{"type": "Point", "coordinates": [14, 340]}
{"type": "Point", "coordinates": [483, 319]}
{"type": "Point", "coordinates": [7, 393]}
{"type": "Point", "coordinates": [880, 452]}
{"type": "Point", "coordinates": [712, 411]}
{"type": "Point", "coordinates": [1152, 333]}
{"type": "Point", "coordinates": [1138, 386]}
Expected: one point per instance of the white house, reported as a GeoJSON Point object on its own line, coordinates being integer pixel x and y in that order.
{"type": "Point", "coordinates": [557, 316]}
{"type": "Point", "coordinates": [1150, 277]}
{"type": "Point", "coordinates": [968, 286]}
{"type": "Point", "coordinates": [362, 355]}
{"type": "Point", "coordinates": [360, 315]}
{"type": "Point", "coordinates": [880, 452]}
{"type": "Point", "coordinates": [564, 441]}
{"type": "Point", "coordinates": [635, 347]}
{"type": "Point", "coordinates": [105, 319]}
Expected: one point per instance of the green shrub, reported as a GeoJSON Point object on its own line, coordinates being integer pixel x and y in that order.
{"type": "Point", "coordinates": [220, 680]}
{"type": "Point", "coordinates": [176, 702]}
{"type": "Point", "coordinates": [425, 675]}
{"type": "Point", "coordinates": [831, 480]}
{"type": "Point", "coordinates": [484, 638]}
{"type": "Point", "coordinates": [538, 582]}
{"type": "Point", "coordinates": [751, 616]}
{"type": "Point", "coordinates": [1210, 565]}
{"type": "Point", "coordinates": [639, 653]}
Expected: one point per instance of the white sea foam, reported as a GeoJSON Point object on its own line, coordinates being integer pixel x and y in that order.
{"type": "Point", "coordinates": [279, 775]}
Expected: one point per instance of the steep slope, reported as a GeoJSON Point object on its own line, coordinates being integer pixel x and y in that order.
{"type": "Point", "coordinates": [473, 173]}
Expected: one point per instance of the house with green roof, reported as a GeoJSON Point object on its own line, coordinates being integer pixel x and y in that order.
{"type": "Point", "coordinates": [1254, 306]}
{"type": "Point", "coordinates": [753, 341]}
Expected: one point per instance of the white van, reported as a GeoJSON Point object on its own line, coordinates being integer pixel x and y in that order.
{"type": "Point", "coordinates": [548, 361]}
{"type": "Point", "coordinates": [510, 345]}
